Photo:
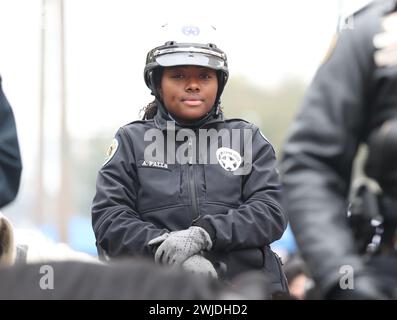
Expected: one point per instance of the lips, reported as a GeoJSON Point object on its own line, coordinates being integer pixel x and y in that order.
{"type": "Point", "coordinates": [192, 101]}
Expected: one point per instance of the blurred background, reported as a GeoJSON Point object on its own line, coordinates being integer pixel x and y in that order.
{"type": "Point", "coordinates": [73, 72]}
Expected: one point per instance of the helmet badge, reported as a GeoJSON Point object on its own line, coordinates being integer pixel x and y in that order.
{"type": "Point", "coordinates": [190, 30]}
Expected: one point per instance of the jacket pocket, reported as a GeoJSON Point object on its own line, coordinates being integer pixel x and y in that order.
{"type": "Point", "coordinates": [222, 186]}
{"type": "Point", "coordinates": [158, 186]}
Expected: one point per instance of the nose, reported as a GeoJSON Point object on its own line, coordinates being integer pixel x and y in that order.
{"type": "Point", "coordinates": [192, 85]}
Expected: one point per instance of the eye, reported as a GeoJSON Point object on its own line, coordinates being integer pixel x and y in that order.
{"type": "Point", "coordinates": [205, 76]}
{"type": "Point", "coordinates": [177, 75]}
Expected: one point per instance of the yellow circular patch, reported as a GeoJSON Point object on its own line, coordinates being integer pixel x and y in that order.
{"type": "Point", "coordinates": [111, 151]}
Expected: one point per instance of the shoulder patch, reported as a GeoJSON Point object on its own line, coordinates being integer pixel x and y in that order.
{"type": "Point", "coordinates": [111, 151]}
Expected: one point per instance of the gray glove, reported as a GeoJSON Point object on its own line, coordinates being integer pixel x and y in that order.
{"type": "Point", "coordinates": [177, 246]}
{"type": "Point", "coordinates": [199, 265]}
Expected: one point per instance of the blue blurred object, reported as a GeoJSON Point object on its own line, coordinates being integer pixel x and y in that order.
{"type": "Point", "coordinates": [50, 231]}
{"type": "Point", "coordinates": [286, 242]}
{"type": "Point", "coordinates": [80, 234]}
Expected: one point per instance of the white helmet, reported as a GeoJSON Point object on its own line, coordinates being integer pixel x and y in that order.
{"type": "Point", "coordinates": [187, 44]}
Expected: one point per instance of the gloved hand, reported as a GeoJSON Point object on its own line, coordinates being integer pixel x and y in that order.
{"type": "Point", "coordinates": [199, 265]}
{"type": "Point", "coordinates": [178, 246]}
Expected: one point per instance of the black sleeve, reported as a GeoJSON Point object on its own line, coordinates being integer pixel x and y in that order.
{"type": "Point", "coordinates": [118, 227]}
{"type": "Point", "coordinates": [10, 158]}
{"type": "Point", "coordinates": [318, 155]}
{"type": "Point", "coordinates": [260, 220]}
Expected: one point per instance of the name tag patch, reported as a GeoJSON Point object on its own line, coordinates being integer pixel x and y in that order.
{"type": "Point", "coordinates": [154, 164]}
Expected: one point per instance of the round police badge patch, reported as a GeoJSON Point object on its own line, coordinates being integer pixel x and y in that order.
{"type": "Point", "coordinates": [111, 151]}
{"type": "Point", "coordinates": [229, 159]}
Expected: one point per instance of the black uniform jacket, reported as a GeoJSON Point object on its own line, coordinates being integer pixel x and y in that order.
{"type": "Point", "coordinates": [139, 199]}
{"type": "Point", "coordinates": [10, 158]}
{"type": "Point", "coordinates": [350, 96]}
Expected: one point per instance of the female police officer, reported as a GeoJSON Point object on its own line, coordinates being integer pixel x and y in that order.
{"type": "Point", "coordinates": [166, 199]}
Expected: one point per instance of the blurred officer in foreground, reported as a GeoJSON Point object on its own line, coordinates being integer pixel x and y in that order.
{"type": "Point", "coordinates": [10, 169]}
{"type": "Point", "coordinates": [352, 100]}
{"type": "Point", "coordinates": [10, 159]}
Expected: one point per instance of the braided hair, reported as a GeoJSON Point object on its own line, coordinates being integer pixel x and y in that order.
{"type": "Point", "coordinates": [150, 110]}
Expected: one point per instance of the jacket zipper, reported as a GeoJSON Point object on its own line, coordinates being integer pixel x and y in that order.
{"type": "Point", "coordinates": [192, 183]}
